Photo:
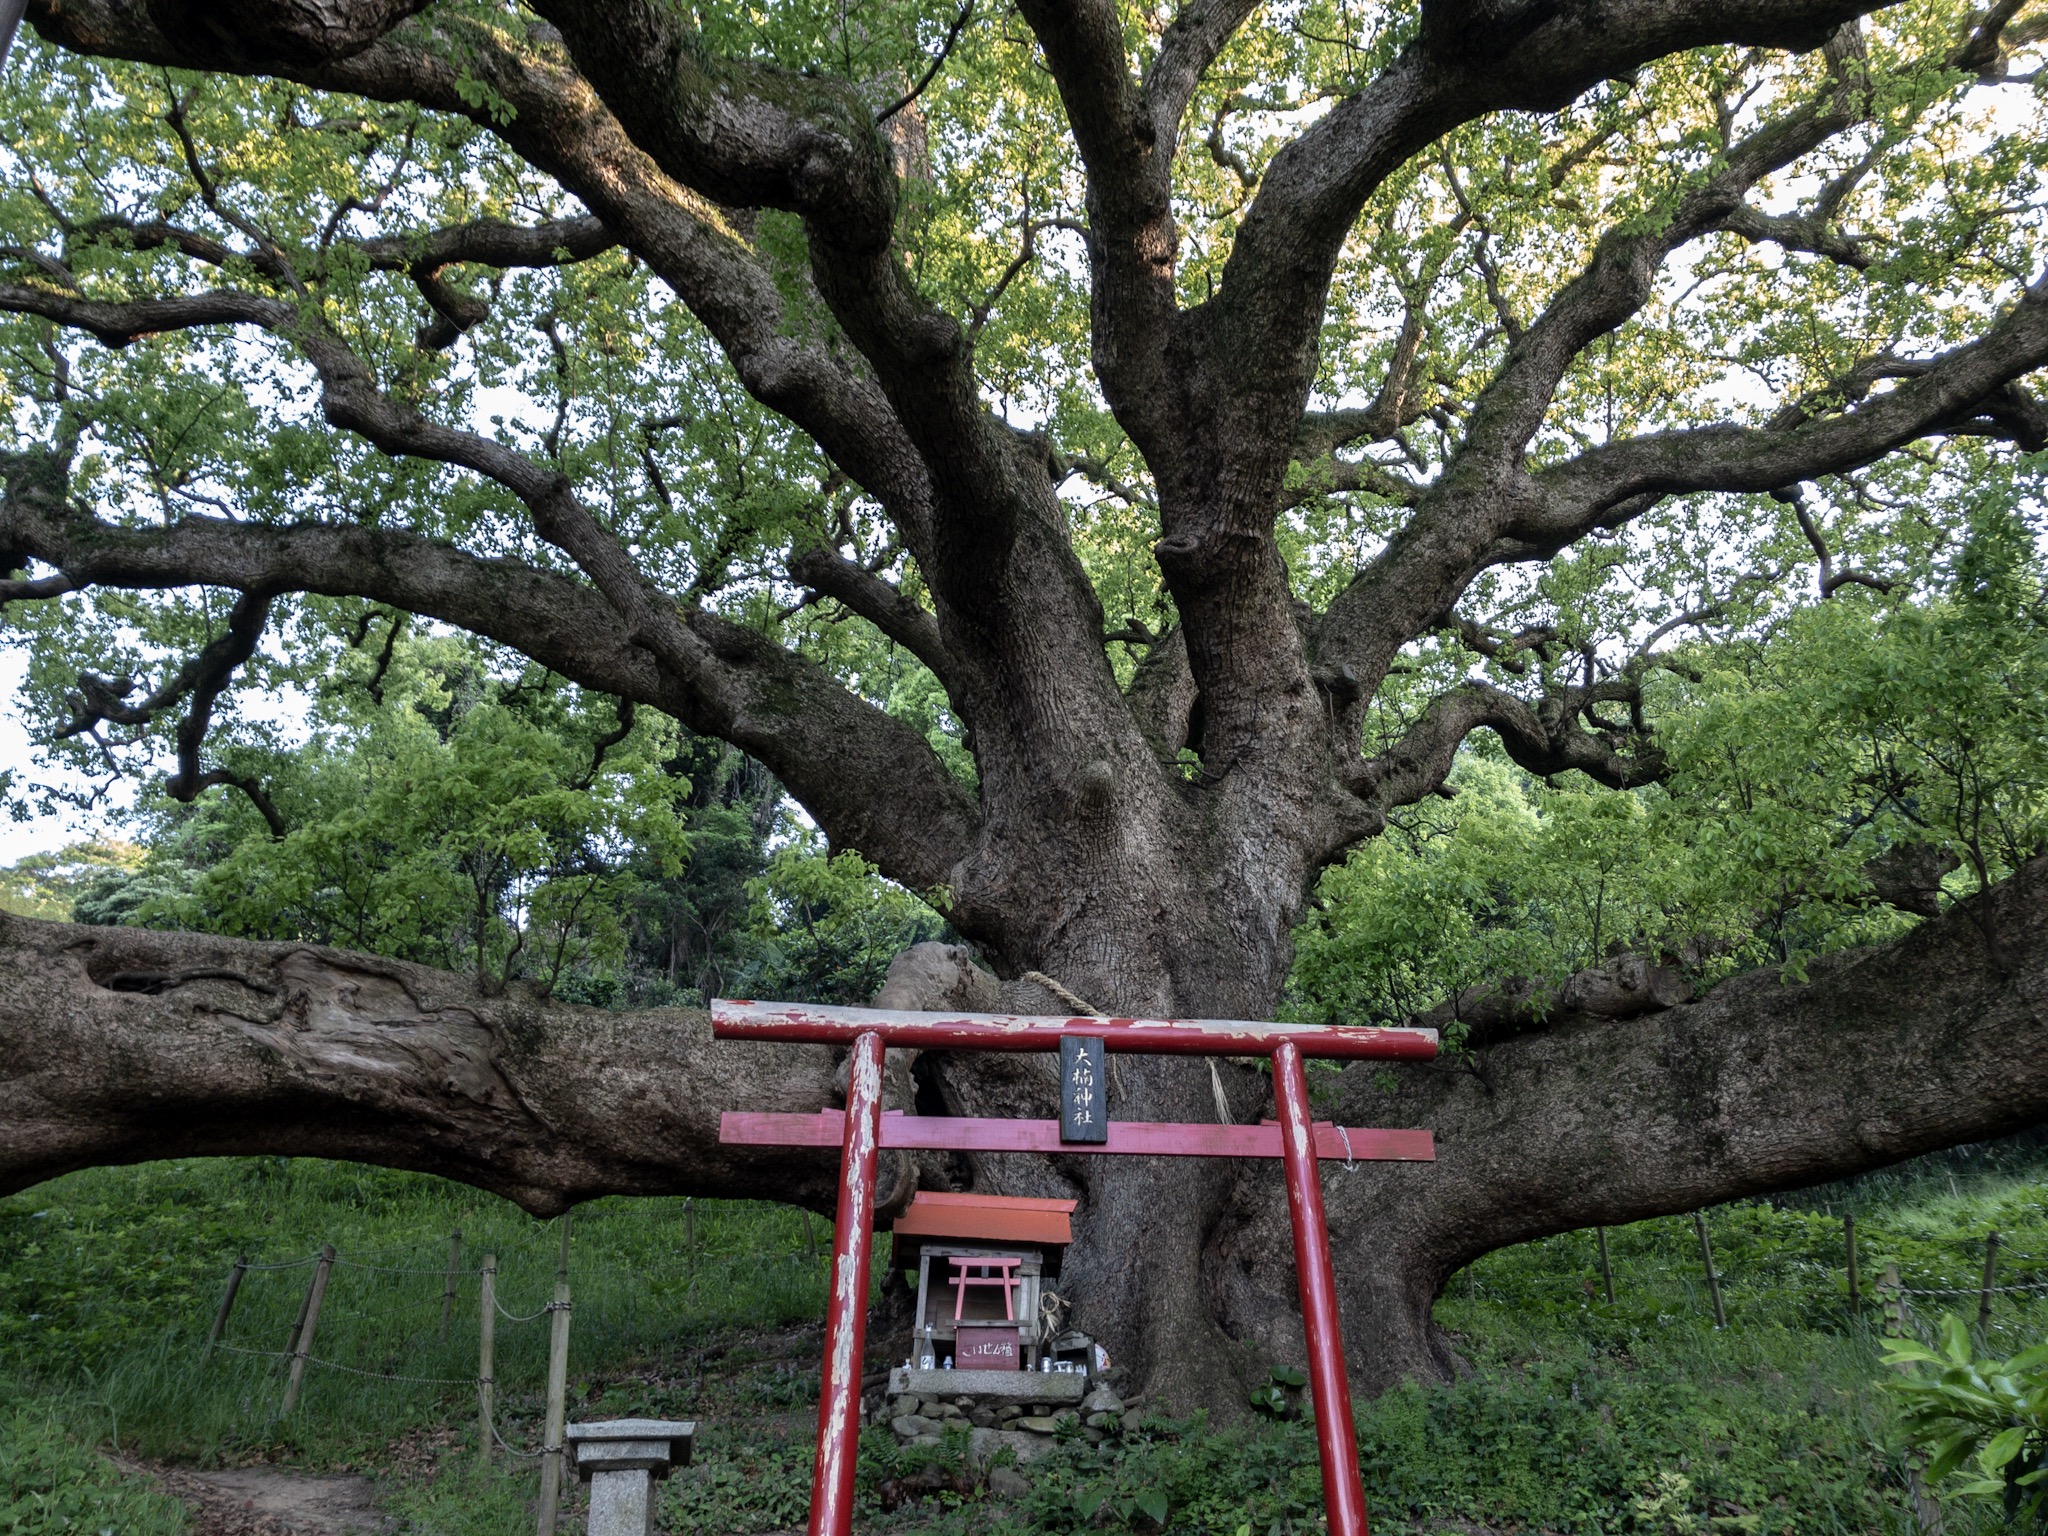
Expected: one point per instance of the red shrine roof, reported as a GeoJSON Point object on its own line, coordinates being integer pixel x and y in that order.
{"type": "Point", "coordinates": [935, 1216]}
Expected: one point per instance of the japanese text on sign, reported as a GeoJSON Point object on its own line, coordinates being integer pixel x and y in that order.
{"type": "Point", "coordinates": [1084, 1098]}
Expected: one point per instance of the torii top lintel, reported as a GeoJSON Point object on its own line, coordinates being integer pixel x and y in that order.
{"type": "Point", "coordinates": [741, 1019]}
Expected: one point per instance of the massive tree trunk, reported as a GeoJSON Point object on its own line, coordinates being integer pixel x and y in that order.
{"type": "Point", "coordinates": [118, 1045]}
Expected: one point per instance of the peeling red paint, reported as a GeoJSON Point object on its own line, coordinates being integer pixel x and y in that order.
{"type": "Point", "coordinates": [846, 1317]}
{"type": "Point", "coordinates": [1336, 1440]}
{"type": "Point", "coordinates": [736, 1019]}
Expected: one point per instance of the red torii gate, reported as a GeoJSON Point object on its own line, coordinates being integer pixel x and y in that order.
{"type": "Point", "coordinates": [862, 1131]}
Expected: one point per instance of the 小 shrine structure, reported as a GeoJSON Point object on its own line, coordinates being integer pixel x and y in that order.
{"type": "Point", "coordinates": [862, 1132]}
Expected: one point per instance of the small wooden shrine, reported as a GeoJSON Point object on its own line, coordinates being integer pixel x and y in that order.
{"type": "Point", "coordinates": [981, 1263]}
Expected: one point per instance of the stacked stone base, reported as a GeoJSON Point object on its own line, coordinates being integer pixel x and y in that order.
{"type": "Point", "coordinates": [1022, 1411]}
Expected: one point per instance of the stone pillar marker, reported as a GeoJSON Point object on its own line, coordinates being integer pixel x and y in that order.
{"type": "Point", "coordinates": [621, 1459]}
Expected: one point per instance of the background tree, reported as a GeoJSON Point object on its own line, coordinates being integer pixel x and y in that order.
{"type": "Point", "coordinates": [1104, 462]}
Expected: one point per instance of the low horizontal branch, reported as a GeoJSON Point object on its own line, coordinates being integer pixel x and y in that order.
{"type": "Point", "coordinates": [119, 1045]}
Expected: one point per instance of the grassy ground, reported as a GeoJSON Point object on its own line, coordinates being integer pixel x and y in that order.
{"type": "Point", "coordinates": [1582, 1416]}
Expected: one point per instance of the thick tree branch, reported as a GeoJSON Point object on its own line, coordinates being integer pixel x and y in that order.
{"type": "Point", "coordinates": [973, 507]}
{"type": "Point", "coordinates": [1486, 509]}
{"type": "Point", "coordinates": [1767, 1083]}
{"type": "Point", "coordinates": [887, 607]}
{"type": "Point", "coordinates": [900, 413]}
{"type": "Point", "coordinates": [1127, 133]}
{"type": "Point", "coordinates": [1335, 475]}
{"type": "Point", "coordinates": [118, 324]}
{"type": "Point", "coordinates": [424, 255]}
{"type": "Point", "coordinates": [352, 400]}
{"type": "Point", "coordinates": [1622, 275]}
{"type": "Point", "coordinates": [1199, 31]}
{"type": "Point", "coordinates": [1162, 695]}
{"type": "Point", "coordinates": [558, 124]}
{"type": "Point", "coordinates": [1962, 390]}
{"type": "Point", "coordinates": [1545, 738]}
{"type": "Point", "coordinates": [746, 135]}
{"type": "Point", "coordinates": [123, 1044]}
{"type": "Point", "coordinates": [1469, 59]}
{"type": "Point", "coordinates": [1798, 233]}
{"type": "Point", "coordinates": [871, 781]}
{"type": "Point", "coordinates": [490, 243]}
{"type": "Point", "coordinates": [752, 136]}
{"type": "Point", "coordinates": [1245, 359]}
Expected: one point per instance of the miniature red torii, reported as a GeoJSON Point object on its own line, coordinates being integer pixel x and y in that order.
{"type": "Point", "coordinates": [862, 1130]}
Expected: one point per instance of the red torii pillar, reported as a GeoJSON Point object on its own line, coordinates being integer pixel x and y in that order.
{"type": "Point", "coordinates": [862, 1131]}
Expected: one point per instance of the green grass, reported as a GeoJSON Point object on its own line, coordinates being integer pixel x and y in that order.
{"type": "Point", "coordinates": [1580, 1417]}
{"type": "Point", "coordinates": [51, 1483]}
{"type": "Point", "coordinates": [109, 1281]}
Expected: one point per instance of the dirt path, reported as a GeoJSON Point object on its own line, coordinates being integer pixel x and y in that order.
{"type": "Point", "coordinates": [270, 1501]}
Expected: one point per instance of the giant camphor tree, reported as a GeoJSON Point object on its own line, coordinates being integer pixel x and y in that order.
{"type": "Point", "coordinates": [1106, 461]}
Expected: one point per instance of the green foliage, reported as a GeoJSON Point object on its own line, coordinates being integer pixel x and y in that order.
{"type": "Point", "coordinates": [109, 1279]}
{"type": "Point", "coordinates": [53, 886]}
{"type": "Point", "coordinates": [1514, 879]}
{"type": "Point", "coordinates": [1994, 1413]}
{"type": "Point", "coordinates": [1861, 728]}
{"type": "Point", "coordinates": [742, 1486]}
{"type": "Point", "coordinates": [826, 927]}
{"type": "Point", "coordinates": [632, 401]}
{"type": "Point", "coordinates": [457, 808]}
{"type": "Point", "coordinates": [50, 1485]}
{"type": "Point", "coordinates": [1279, 1395]}
{"type": "Point", "coordinates": [446, 816]}
{"type": "Point", "coordinates": [1854, 734]}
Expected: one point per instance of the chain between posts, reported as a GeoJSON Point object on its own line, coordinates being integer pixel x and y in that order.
{"type": "Point", "coordinates": [299, 1353]}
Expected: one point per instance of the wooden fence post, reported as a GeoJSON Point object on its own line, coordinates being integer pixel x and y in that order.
{"type": "Point", "coordinates": [1699, 1223]}
{"type": "Point", "coordinates": [1606, 1265]}
{"type": "Point", "coordinates": [1849, 1242]}
{"type": "Point", "coordinates": [1990, 1277]}
{"type": "Point", "coordinates": [227, 1302]}
{"type": "Point", "coordinates": [292, 1342]}
{"type": "Point", "coordinates": [487, 1351]}
{"type": "Point", "coordinates": [448, 1290]}
{"type": "Point", "coordinates": [558, 1388]}
{"type": "Point", "coordinates": [1926, 1509]}
{"type": "Point", "coordinates": [302, 1347]}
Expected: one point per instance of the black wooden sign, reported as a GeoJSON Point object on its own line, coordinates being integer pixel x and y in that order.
{"type": "Point", "coordinates": [1084, 1089]}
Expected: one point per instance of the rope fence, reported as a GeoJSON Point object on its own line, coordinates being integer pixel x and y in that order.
{"type": "Point", "coordinates": [352, 1370]}
{"type": "Point", "coordinates": [2035, 1287]}
{"type": "Point", "coordinates": [1989, 1254]}
{"type": "Point", "coordinates": [455, 1279]}
{"type": "Point", "coordinates": [406, 1314]}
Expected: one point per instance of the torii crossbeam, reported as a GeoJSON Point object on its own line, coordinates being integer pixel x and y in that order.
{"type": "Point", "coordinates": [862, 1130]}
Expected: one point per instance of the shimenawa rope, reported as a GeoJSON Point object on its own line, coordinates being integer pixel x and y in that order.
{"type": "Point", "coordinates": [1082, 1005]}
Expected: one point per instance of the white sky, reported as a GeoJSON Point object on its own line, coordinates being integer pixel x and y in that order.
{"type": "Point", "coordinates": [18, 839]}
